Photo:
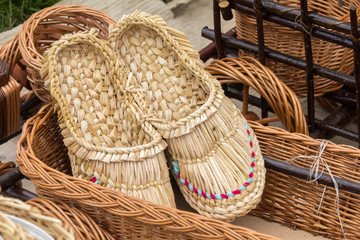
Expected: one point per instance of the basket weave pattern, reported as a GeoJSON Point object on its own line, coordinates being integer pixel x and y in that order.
{"type": "Point", "coordinates": [84, 227]}
{"type": "Point", "coordinates": [290, 42]}
{"type": "Point", "coordinates": [10, 108]}
{"type": "Point", "coordinates": [48, 25]}
{"type": "Point", "coordinates": [294, 202]}
{"type": "Point", "coordinates": [122, 215]}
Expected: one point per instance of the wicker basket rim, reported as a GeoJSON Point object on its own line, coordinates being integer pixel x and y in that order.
{"type": "Point", "coordinates": [26, 43]}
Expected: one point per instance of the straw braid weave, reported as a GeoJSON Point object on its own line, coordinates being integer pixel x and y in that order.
{"type": "Point", "coordinates": [165, 65]}
{"type": "Point", "coordinates": [47, 26]}
{"type": "Point", "coordinates": [15, 207]}
{"type": "Point", "coordinates": [105, 137]}
{"type": "Point", "coordinates": [207, 139]}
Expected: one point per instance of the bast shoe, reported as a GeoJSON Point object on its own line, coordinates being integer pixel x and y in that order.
{"type": "Point", "coordinates": [215, 155]}
{"type": "Point", "coordinates": [107, 142]}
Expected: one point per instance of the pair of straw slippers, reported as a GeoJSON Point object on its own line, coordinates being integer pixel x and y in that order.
{"type": "Point", "coordinates": [123, 100]}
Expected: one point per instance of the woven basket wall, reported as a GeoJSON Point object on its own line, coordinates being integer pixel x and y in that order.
{"type": "Point", "coordinates": [9, 108]}
{"type": "Point", "coordinates": [10, 91]}
{"type": "Point", "coordinates": [291, 42]}
{"type": "Point", "coordinates": [47, 26]}
{"type": "Point", "coordinates": [43, 158]}
{"type": "Point", "coordinates": [289, 200]}
{"type": "Point", "coordinates": [294, 202]}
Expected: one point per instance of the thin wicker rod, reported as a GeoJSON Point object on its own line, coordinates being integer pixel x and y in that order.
{"type": "Point", "coordinates": [250, 72]}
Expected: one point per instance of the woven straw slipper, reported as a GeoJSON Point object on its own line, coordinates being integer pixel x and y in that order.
{"type": "Point", "coordinates": [215, 155]}
{"type": "Point", "coordinates": [107, 141]}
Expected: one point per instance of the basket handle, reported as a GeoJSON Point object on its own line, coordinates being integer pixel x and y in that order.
{"type": "Point", "coordinates": [250, 72]}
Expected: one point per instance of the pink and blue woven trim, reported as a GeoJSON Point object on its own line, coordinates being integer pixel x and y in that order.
{"type": "Point", "coordinates": [224, 195]}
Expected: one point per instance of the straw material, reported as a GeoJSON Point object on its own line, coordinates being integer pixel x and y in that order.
{"type": "Point", "coordinates": [123, 216]}
{"type": "Point", "coordinates": [84, 226]}
{"type": "Point", "coordinates": [215, 156]}
{"type": "Point", "coordinates": [47, 26]}
{"type": "Point", "coordinates": [249, 71]}
{"type": "Point", "coordinates": [299, 204]}
{"type": "Point", "coordinates": [108, 143]}
{"type": "Point", "coordinates": [290, 42]}
{"type": "Point", "coordinates": [10, 230]}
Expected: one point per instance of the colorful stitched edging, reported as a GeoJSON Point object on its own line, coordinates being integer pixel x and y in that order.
{"type": "Point", "coordinates": [224, 195]}
{"type": "Point", "coordinates": [94, 180]}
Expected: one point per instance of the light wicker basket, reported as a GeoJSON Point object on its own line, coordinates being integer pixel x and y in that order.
{"type": "Point", "coordinates": [84, 227]}
{"type": "Point", "coordinates": [290, 42]}
{"type": "Point", "coordinates": [43, 158]}
{"type": "Point", "coordinates": [11, 230]}
{"type": "Point", "coordinates": [47, 26]}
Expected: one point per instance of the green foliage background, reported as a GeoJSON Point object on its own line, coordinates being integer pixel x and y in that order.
{"type": "Point", "coordinates": [15, 12]}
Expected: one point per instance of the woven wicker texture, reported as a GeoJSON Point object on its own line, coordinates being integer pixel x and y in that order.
{"type": "Point", "coordinates": [10, 52]}
{"type": "Point", "coordinates": [294, 202]}
{"type": "Point", "coordinates": [9, 108]}
{"type": "Point", "coordinates": [47, 26]}
{"type": "Point", "coordinates": [122, 215]}
{"type": "Point", "coordinates": [248, 71]}
{"type": "Point", "coordinates": [291, 42]}
{"type": "Point", "coordinates": [10, 230]}
{"type": "Point", "coordinates": [84, 227]}
{"type": "Point", "coordinates": [215, 156]}
{"type": "Point", "coordinates": [107, 142]}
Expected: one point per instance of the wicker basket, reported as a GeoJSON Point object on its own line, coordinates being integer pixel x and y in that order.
{"type": "Point", "coordinates": [10, 108]}
{"type": "Point", "coordinates": [289, 200]}
{"type": "Point", "coordinates": [47, 26]}
{"type": "Point", "coordinates": [290, 42]}
{"type": "Point", "coordinates": [10, 53]}
{"type": "Point", "coordinates": [294, 202]}
{"type": "Point", "coordinates": [84, 227]}
{"type": "Point", "coordinates": [43, 158]}
{"type": "Point", "coordinates": [11, 230]}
